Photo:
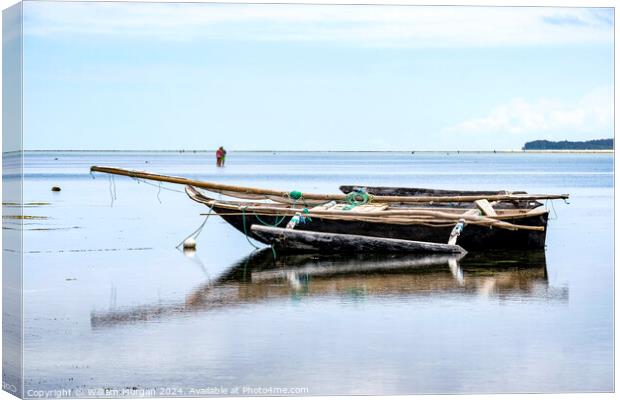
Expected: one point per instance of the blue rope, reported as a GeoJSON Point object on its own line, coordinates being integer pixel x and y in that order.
{"type": "Point", "coordinates": [295, 195]}
{"type": "Point", "coordinates": [275, 224]}
{"type": "Point", "coordinates": [245, 229]}
{"type": "Point", "coordinates": [247, 237]}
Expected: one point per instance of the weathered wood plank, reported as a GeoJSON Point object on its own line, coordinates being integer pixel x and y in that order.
{"type": "Point", "coordinates": [486, 207]}
{"type": "Point", "coordinates": [537, 211]}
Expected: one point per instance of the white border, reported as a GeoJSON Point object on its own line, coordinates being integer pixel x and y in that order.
{"type": "Point", "coordinates": [538, 3]}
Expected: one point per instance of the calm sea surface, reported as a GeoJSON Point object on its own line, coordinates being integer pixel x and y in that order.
{"type": "Point", "coordinates": [109, 303]}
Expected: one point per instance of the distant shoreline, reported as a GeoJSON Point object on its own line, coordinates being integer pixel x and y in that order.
{"type": "Point", "coordinates": [594, 144]}
{"type": "Point", "coordinates": [331, 151]}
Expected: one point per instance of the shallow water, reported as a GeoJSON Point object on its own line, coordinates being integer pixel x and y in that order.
{"type": "Point", "coordinates": [110, 304]}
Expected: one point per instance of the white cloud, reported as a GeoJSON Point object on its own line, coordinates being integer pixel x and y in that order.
{"type": "Point", "coordinates": [414, 26]}
{"type": "Point", "coordinates": [592, 113]}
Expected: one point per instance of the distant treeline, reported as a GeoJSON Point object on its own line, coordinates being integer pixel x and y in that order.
{"type": "Point", "coordinates": [599, 144]}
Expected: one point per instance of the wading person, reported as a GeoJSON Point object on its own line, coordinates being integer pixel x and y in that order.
{"type": "Point", "coordinates": [219, 154]}
{"type": "Point", "coordinates": [223, 156]}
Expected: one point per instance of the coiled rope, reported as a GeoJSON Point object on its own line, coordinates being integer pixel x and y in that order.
{"type": "Point", "coordinates": [357, 198]}
{"type": "Point", "coordinates": [295, 194]}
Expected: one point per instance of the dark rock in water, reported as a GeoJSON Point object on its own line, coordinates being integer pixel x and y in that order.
{"type": "Point", "coordinates": [55, 188]}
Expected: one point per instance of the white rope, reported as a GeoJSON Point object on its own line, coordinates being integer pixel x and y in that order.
{"type": "Point", "coordinates": [112, 190]}
{"type": "Point", "coordinates": [194, 235]}
{"type": "Point", "coordinates": [555, 214]}
{"type": "Point", "coordinates": [160, 186]}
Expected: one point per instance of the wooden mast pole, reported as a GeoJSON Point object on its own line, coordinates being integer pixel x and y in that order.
{"type": "Point", "coordinates": [324, 197]}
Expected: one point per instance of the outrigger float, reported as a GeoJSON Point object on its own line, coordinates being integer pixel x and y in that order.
{"type": "Point", "coordinates": [374, 219]}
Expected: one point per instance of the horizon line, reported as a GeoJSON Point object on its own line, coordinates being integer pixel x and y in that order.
{"type": "Point", "coordinates": [312, 151]}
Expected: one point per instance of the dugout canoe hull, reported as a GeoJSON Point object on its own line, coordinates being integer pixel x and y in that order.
{"type": "Point", "coordinates": [414, 191]}
{"type": "Point", "coordinates": [473, 237]}
{"type": "Point", "coordinates": [284, 240]}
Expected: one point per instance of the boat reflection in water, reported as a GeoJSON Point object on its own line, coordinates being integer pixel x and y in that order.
{"type": "Point", "coordinates": [260, 278]}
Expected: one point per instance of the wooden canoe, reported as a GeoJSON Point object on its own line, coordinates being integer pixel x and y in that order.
{"type": "Point", "coordinates": [242, 215]}
{"type": "Point", "coordinates": [426, 192]}
{"type": "Point", "coordinates": [414, 191]}
{"type": "Point", "coordinates": [298, 240]}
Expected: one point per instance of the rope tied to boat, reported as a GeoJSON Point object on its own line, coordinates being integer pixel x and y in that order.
{"type": "Point", "coordinates": [112, 190]}
{"type": "Point", "coordinates": [158, 185]}
{"type": "Point", "coordinates": [295, 194]}
{"type": "Point", "coordinates": [358, 197]}
{"type": "Point", "coordinates": [194, 235]}
{"type": "Point", "coordinates": [245, 231]}
{"type": "Point", "coordinates": [555, 214]}
{"type": "Point", "coordinates": [299, 218]}
{"type": "Point", "coordinates": [278, 219]}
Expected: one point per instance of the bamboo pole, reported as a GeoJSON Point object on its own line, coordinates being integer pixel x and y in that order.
{"type": "Point", "coordinates": [386, 213]}
{"type": "Point", "coordinates": [323, 197]}
{"type": "Point", "coordinates": [382, 216]}
{"type": "Point", "coordinates": [408, 221]}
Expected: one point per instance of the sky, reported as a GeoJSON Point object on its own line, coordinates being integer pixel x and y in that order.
{"type": "Point", "coordinates": [126, 76]}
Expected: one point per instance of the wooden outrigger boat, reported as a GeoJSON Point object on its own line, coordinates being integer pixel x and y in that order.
{"type": "Point", "coordinates": [510, 229]}
{"type": "Point", "coordinates": [494, 220]}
